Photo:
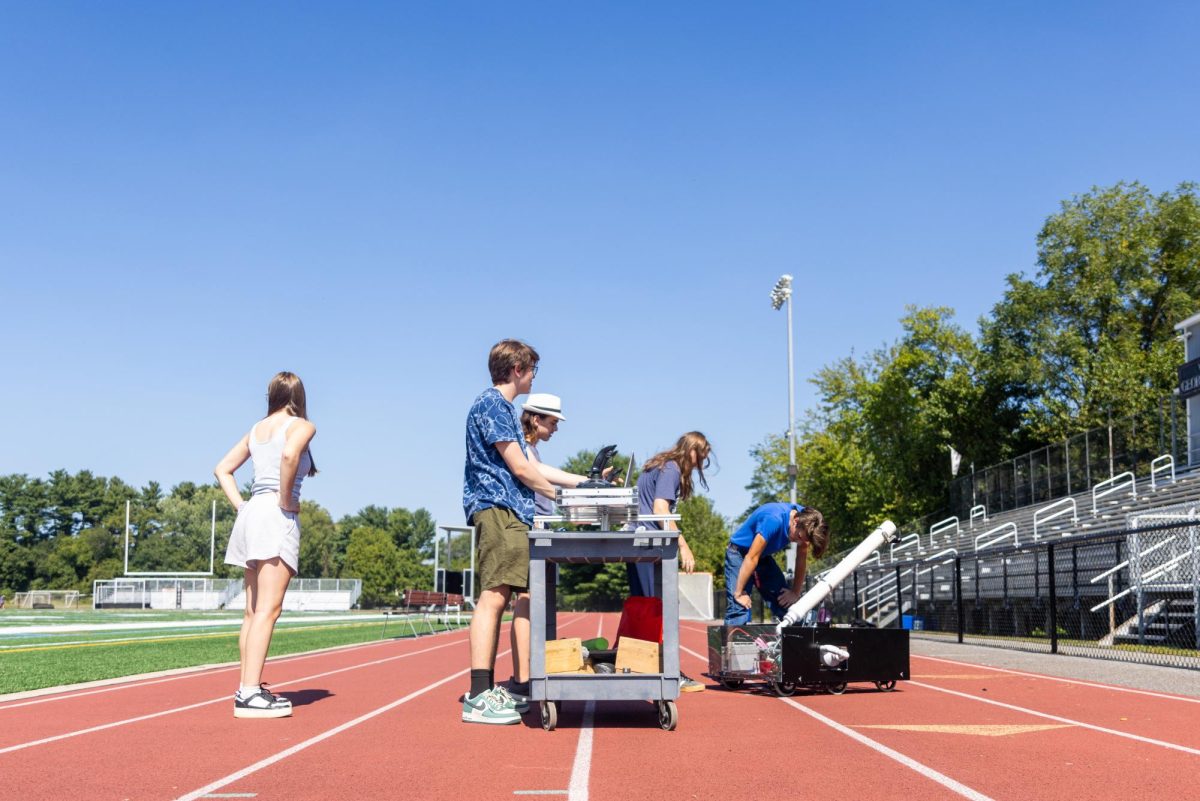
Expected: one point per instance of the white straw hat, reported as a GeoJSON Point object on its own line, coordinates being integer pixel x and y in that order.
{"type": "Point", "coordinates": [544, 403]}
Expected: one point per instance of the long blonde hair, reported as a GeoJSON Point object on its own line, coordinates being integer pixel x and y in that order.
{"type": "Point", "coordinates": [286, 392]}
{"type": "Point", "coordinates": [683, 454]}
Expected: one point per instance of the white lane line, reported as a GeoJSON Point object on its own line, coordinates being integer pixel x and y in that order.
{"type": "Point", "coordinates": [230, 795]}
{"type": "Point", "coordinates": [1047, 716]}
{"type": "Point", "coordinates": [924, 770]}
{"type": "Point", "coordinates": [325, 735]}
{"type": "Point", "coordinates": [539, 792]}
{"type": "Point", "coordinates": [1113, 687]}
{"type": "Point", "coordinates": [271, 760]}
{"type": "Point", "coordinates": [908, 762]}
{"type": "Point", "coordinates": [226, 698]}
{"type": "Point", "coordinates": [580, 772]}
{"type": "Point", "coordinates": [582, 768]}
{"type": "Point", "coordinates": [149, 625]}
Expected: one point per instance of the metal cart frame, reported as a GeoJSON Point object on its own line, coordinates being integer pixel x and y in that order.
{"type": "Point", "coordinates": [547, 550]}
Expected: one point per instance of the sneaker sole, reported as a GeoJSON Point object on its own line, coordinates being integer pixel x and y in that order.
{"type": "Point", "coordinates": [263, 713]}
{"type": "Point", "coordinates": [694, 688]}
{"type": "Point", "coordinates": [491, 721]}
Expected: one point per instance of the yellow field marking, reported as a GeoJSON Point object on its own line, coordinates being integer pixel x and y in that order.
{"type": "Point", "coordinates": [175, 638]}
{"type": "Point", "coordinates": [961, 676]}
{"type": "Point", "coordinates": [978, 730]}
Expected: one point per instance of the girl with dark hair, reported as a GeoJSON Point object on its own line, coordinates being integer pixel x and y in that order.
{"type": "Point", "coordinates": [266, 535]}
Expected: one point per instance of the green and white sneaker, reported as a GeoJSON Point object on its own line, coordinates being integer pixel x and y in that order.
{"type": "Point", "coordinates": [490, 707]}
{"type": "Point", "coordinates": [520, 701]}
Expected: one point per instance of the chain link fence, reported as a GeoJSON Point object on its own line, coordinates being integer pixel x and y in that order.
{"type": "Point", "coordinates": [1076, 464]}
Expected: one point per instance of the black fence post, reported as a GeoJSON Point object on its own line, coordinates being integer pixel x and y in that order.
{"type": "Point", "coordinates": [899, 601]}
{"type": "Point", "coordinates": [958, 599]}
{"type": "Point", "coordinates": [1053, 599]}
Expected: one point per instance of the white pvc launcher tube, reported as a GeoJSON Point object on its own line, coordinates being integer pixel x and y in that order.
{"type": "Point", "coordinates": [808, 602]}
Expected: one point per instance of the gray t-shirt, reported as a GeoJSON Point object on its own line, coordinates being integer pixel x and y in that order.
{"type": "Point", "coordinates": [541, 504]}
{"type": "Point", "coordinates": [658, 483]}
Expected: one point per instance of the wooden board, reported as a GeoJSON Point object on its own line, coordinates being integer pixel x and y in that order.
{"type": "Point", "coordinates": [639, 656]}
{"type": "Point", "coordinates": [564, 656]}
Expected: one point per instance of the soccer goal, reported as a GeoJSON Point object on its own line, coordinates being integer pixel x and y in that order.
{"type": "Point", "coordinates": [47, 599]}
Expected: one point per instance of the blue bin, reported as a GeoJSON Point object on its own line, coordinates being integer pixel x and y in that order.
{"type": "Point", "coordinates": [912, 623]}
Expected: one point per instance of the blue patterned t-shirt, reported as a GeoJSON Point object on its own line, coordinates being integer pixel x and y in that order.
{"type": "Point", "coordinates": [487, 481]}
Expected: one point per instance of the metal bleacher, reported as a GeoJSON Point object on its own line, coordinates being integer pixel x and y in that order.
{"type": "Point", "coordinates": [1127, 563]}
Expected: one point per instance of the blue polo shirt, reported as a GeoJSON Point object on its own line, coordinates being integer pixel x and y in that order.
{"type": "Point", "coordinates": [771, 521]}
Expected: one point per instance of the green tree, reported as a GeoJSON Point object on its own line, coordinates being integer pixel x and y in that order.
{"type": "Point", "coordinates": [877, 444]}
{"type": "Point", "coordinates": [707, 534]}
{"type": "Point", "coordinates": [408, 529]}
{"type": "Point", "coordinates": [372, 556]}
{"type": "Point", "coordinates": [16, 566]}
{"type": "Point", "coordinates": [1092, 332]}
{"type": "Point", "coordinates": [322, 544]}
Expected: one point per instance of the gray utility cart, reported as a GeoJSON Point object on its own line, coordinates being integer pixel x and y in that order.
{"type": "Point", "coordinates": [605, 508]}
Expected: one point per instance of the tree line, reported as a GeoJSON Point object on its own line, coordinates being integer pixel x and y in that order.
{"type": "Point", "coordinates": [1086, 339]}
{"type": "Point", "coordinates": [68, 530]}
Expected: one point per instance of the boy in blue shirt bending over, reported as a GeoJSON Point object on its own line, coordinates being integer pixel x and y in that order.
{"type": "Point", "coordinates": [768, 530]}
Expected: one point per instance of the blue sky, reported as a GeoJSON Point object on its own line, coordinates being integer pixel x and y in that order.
{"type": "Point", "coordinates": [196, 195]}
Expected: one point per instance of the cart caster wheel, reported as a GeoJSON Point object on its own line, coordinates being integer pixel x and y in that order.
{"type": "Point", "coordinates": [668, 715]}
{"type": "Point", "coordinates": [732, 684]}
{"type": "Point", "coordinates": [836, 689]}
{"type": "Point", "coordinates": [783, 688]}
{"type": "Point", "coordinates": [885, 686]}
{"type": "Point", "coordinates": [549, 715]}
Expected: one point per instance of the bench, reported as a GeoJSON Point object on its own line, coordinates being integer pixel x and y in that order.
{"type": "Point", "coordinates": [424, 600]}
{"type": "Point", "coordinates": [439, 604]}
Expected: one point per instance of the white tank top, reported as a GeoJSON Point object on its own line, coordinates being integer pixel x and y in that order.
{"type": "Point", "coordinates": [266, 457]}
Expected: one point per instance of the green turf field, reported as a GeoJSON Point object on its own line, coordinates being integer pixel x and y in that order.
{"type": "Point", "coordinates": [31, 659]}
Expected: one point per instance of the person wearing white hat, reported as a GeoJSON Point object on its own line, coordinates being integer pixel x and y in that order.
{"type": "Point", "coordinates": [541, 413]}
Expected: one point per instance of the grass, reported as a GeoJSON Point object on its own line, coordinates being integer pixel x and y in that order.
{"type": "Point", "coordinates": [31, 663]}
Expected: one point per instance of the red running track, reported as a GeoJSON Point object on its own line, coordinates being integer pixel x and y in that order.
{"type": "Point", "coordinates": [381, 721]}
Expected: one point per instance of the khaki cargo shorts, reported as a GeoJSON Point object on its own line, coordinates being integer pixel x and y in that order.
{"type": "Point", "coordinates": [502, 541]}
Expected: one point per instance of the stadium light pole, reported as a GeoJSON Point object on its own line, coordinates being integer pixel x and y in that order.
{"type": "Point", "coordinates": [781, 294]}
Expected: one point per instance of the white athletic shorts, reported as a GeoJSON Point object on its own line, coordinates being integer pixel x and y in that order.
{"type": "Point", "coordinates": [263, 531]}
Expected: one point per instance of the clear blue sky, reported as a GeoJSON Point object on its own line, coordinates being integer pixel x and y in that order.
{"type": "Point", "coordinates": [196, 195]}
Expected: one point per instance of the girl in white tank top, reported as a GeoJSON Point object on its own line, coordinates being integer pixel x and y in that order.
{"type": "Point", "coordinates": [266, 535]}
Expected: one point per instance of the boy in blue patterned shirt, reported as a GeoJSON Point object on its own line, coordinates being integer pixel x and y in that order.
{"type": "Point", "coordinates": [499, 482]}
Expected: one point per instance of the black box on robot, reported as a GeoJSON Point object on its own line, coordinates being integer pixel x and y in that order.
{"type": "Point", "coordinates": [794, 659]}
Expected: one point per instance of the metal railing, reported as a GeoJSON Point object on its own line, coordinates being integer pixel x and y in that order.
{"type": "Point", "coordinates": [1166, 462]}
{"type": "Point", "coordinates": [941, 527]}
{"type": "Point", "coordinates": [1112, 485]}
{"type": "Point", "coordinates": [912, 541]}
{"type": "Point", "coordinates": [1053, 512]}
{"type": "Point", "coordinates": [992, 537]}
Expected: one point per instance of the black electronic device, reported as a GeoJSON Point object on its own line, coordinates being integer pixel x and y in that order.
{"type": "Point", "coordinates": [595, 478]}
